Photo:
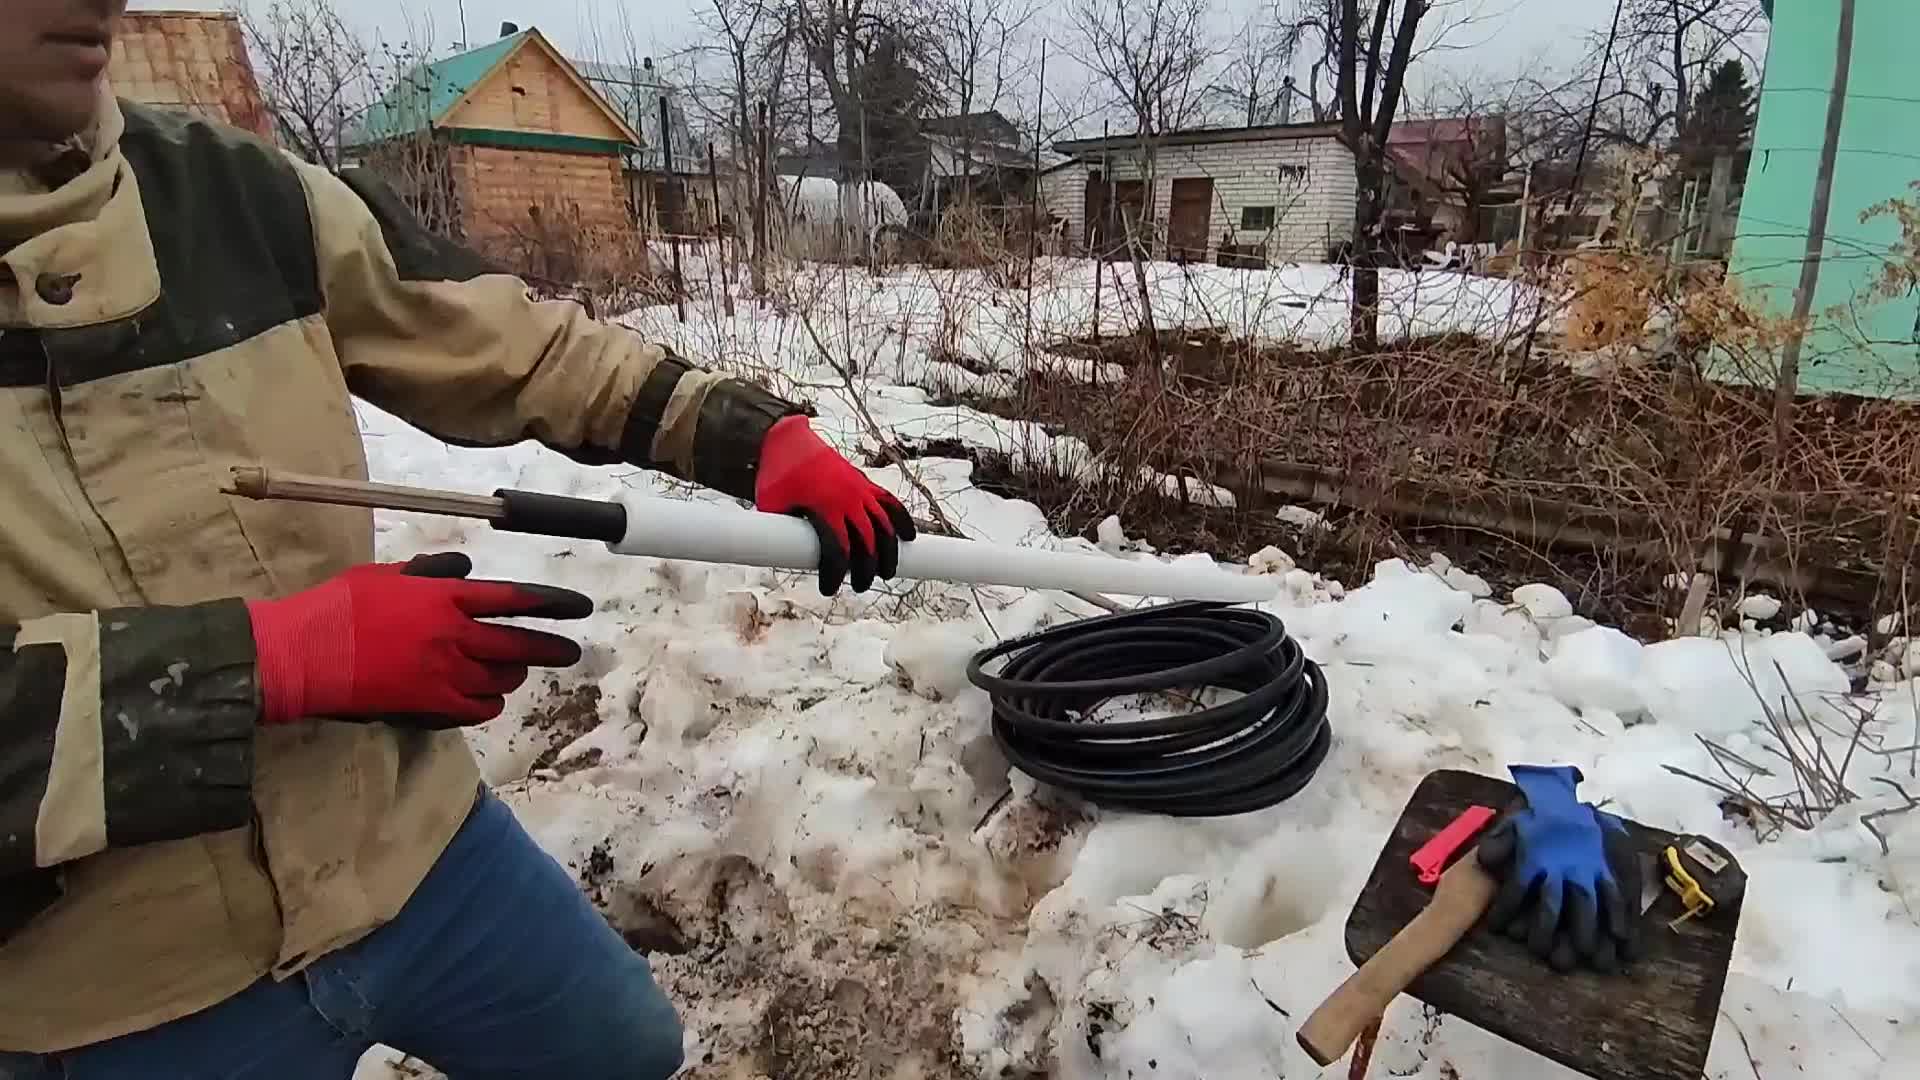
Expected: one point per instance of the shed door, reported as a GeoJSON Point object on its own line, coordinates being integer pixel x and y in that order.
{"type": "Point", "coordinates": [1098, 206]}
{"type": "Point", "coordinates": [1188, 221]}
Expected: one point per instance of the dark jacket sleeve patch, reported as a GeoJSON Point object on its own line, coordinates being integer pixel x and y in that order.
{"type": "Point", "coordinates": [32, 682]}
{"type": "Point", "coordinates": [734, 421]}
{"type": "Point", "coordinates": [178, 705]}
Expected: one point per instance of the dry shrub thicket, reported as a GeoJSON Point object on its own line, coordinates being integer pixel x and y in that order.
{"type": "Point", "coordinates": [1615, 476]}
{"type": "Point", "coordinates": [1609, 439]}
{"type": "Point", "coordinates": [1646, 455]}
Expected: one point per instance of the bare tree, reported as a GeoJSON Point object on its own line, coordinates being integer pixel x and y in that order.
{"type": "Point", "coordinates": [1668, 50]}
{"type": "Point", "coordinates": [399, 143]}
{"type": "Point", "coordinates": [732, 68]}
{"type": "Point", "coordinates": [1318, 24]}
{"type": "Point", "coordinates": [1256, 82]}
{"type": "Point", "coordinates": [971, 56]}
{"type": "Point", "coordinates": [1372, 75]}
{"type": "Point", "coordinates": [313, 71]}
{"type": "Point", "coordinates": [1486, 134]}
{"type": "Point", "coordinates": [868, 56]}
{"type": "Point", "coordinates": [1151, 58]}
{"type": "Point", "coordinates": [754, 54]}
{"type": "Point", "coordinates": [974, 43]}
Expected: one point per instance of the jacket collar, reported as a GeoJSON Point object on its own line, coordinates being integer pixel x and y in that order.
{"type": "Point", "coordinates": [80, 252]}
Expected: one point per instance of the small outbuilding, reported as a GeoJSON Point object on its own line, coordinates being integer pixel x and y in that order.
{"type": "Point", "coordinates": [1242, 196]}
{"type": "Point", "coordinates": [509, 148]}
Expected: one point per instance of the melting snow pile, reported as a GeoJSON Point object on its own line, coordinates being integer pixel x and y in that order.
{"type": "Point", "coordinates": [796, 803]}
{"type": "Point", "coordinates": [796, 806]}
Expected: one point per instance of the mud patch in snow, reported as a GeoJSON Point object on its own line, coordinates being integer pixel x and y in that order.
{"type": "Point", "coordinates": [769, 997]}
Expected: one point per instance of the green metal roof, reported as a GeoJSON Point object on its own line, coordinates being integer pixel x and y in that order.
{"type": "Point", "coordinates": [423, 96]}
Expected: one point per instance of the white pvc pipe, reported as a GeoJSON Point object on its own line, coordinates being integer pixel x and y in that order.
{"type": "Point", "coordinates": [706, 532]}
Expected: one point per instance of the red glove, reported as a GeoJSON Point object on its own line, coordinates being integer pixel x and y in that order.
{"type": "Point", "coordinates": [392, 639]}
{"type": "Point", "coordinates": [860, 524]}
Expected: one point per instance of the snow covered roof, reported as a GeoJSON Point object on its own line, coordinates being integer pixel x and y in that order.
{"type": "Point", "coordinates": [988, 126]}
{"type": "Point", "coordinates": [954, 155]}
{"type": "Point", "coordinates": [1203, 136]}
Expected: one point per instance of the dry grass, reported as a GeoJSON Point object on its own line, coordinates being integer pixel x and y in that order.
{"type": "Point", "coordinates": [1606, 473]}
{"type": "Point", "coordinates": [1674, 468]}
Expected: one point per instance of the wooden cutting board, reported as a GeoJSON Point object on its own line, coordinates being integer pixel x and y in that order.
{"type": "Point", "coordinates": [1654, 1023]}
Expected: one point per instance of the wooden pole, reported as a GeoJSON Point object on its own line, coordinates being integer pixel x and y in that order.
{"type": "Point", "coordinates": [1526, 204]}
{"type": "Point", "coordinates": [1593, 115]}
{"type": "Point", "coordinates": [720, 239]}
{"type": "Point", "coordinates": [764, 161]}
{"type": "Point", "coordinates": [1033, 206]}
{"type": "Point", "coordinates": [1098, 231]}
{"type": "Point", "coordinates": [1789, 383]}
{"type": "Point", "coordinates": [253, 482]}
{"type": "Point", "coordinates": [670, 209]}
{"type": "Point", "coordinates": [1354, 1009]}
{"type": "Point", "coordinates": [865, 186]}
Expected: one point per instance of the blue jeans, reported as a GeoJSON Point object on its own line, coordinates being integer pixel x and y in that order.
{"type": "Point", "coordinates": [497, 967]}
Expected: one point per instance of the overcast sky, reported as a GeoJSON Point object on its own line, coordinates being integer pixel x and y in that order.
{"type": "Point", "coordinates": [1506, 38]}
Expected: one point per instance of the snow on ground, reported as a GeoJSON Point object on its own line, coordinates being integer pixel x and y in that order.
{"type": "Point", "coordinates": [906, 323]}
{"type": "Point", "coordinates": [795, 802]}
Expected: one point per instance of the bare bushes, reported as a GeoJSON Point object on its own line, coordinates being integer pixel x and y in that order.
{"type": "Point", "coordinates": [1657, 461]}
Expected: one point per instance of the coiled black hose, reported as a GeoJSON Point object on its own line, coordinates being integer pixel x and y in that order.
{"type": "Point", "coordinates": [1246, 754]}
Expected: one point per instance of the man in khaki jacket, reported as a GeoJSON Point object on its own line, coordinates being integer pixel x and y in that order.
{"type": "Point", "coordinates": [197, 876]}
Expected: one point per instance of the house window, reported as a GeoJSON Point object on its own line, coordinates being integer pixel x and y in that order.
{"type": "Point", "coordinates": [1256, 218]}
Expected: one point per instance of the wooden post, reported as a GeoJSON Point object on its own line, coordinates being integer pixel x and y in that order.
{"type": "Point", "coordinates": [1097, 233]}
{"type": "Point", "coordinates": [1099, 275]}
{"type": "Point", "coordinates": [1033, 209]}
{"type": "Point", "coordinates": [1526, 204]}
{"type": "Point", "coordinates": [670, 198]}
{"type": "Point", "coordinates": [764, 162]}
{"type": "Point", "coordinates": [1586, 131]}
{"type": "Point", "coordinates": [719, 237]}
{"type": "Point", "coordinates": [1789, 384]}
{"type": "Point", "coordinates": [867, 238]}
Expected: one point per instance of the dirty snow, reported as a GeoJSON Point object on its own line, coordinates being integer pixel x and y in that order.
{"type": "Point", "coordinates": [795, 802]}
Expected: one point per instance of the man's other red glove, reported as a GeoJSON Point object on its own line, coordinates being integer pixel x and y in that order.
{"type": "Point", "coordinates": [404, 644]}
{"type": "Point", "coordinates": [860, 523]}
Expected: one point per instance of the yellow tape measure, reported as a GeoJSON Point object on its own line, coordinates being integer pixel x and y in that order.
{"type": "Point", "coordinates": [1703, 874]}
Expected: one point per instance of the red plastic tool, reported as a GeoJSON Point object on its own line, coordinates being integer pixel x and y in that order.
{"type": "Point", "coordinates": [1434, 855]}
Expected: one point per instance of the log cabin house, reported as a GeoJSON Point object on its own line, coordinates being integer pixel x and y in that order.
{"type": "Point", "coordinates": [510, 149]}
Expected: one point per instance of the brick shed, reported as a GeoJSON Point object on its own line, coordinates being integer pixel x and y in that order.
{"type": "Point", "coordinates": [508, 148]}
{"type": "Point", "coordinates": [193, 60]}
{"type": "Point", "coordinates": [1271, 193]}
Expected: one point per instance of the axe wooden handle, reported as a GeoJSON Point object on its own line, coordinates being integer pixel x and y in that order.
{"type": "Point", "coordinates": [1458, 901]}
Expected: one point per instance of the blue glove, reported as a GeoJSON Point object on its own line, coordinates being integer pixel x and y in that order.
{"type": "Point", "coordinates": [1570, 877]}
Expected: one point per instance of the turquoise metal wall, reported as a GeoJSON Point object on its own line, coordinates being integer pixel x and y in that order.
{"type": "Point", "coordinates": [1859, 344]}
